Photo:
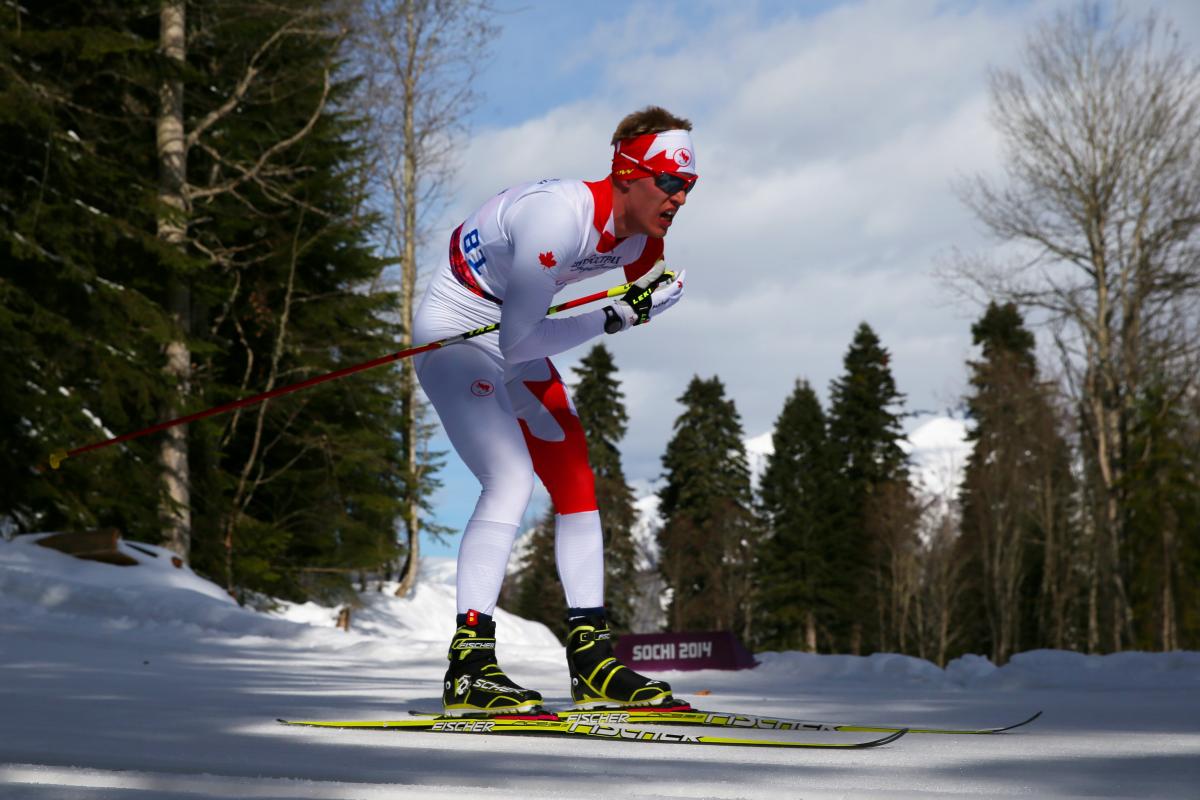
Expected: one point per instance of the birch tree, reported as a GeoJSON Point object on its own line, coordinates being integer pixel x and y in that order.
{"type": "Point", "coordinates": [1101, 197]}
{"type": "Point", "coordinates": [419, 59]}
{"type": "Point", "coordinates": [173, 206]}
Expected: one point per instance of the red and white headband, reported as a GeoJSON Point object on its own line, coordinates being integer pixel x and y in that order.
{"type": "Point", "coordinates": [668, 151]}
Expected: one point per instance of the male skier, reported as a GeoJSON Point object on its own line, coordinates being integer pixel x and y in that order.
{"type": "Point", "coordinates": [506, 410]}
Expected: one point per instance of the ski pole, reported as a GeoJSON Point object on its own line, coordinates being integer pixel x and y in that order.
{"type": "Point", "coordinates": [58, 456]}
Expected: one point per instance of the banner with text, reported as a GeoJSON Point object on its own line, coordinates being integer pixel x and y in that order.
{"type": "Point", "coordinates": [693, 650]}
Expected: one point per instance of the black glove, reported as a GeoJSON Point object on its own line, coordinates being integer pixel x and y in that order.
{"type": "Point", "coordinates": [638, 303]}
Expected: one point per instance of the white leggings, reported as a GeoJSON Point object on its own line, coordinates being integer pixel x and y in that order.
{"type": "Point", "coordinates": [508, 423]}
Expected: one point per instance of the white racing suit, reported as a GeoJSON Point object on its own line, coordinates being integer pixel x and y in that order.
{"type": "Point", "coordinates": [502, 403]}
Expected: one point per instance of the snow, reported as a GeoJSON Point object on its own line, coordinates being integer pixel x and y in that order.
{"type": "Point", "coordinates": [645, 532]}
{"type": "Point", "coordinates": [936, 446]}
{"type": "Point", "coordinates": [937, 450]}
{"type": "Point", "coordinates": [149, 683]}
{"type": "Point", "coordinates": [758, 449]}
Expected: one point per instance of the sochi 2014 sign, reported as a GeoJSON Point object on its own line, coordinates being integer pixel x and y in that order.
{"type": "Point", "coordinates": [683, 651]}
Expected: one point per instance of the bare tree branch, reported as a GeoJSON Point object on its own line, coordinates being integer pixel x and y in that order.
{"type": "Point", "coordinates": [254, 171]}
{"type": "Point", "coordinates": [1101, 130]}
{"type": "Point", "coordinates": [292, 27]}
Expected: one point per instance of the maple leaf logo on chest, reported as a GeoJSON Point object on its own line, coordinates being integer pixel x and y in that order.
{"type": "Point", "coordinates": [547, 259]}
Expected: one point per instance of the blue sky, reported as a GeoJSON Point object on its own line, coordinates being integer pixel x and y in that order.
{"type": "Point", "coordinates": [546, 54]}
{"type": "Point", "coordinates": [828, 137]}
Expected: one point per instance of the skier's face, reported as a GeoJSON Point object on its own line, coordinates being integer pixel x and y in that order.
{"type": "Point", "coordinates": [650, 210]}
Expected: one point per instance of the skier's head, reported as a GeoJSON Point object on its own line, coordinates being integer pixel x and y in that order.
{"type": "Point", "coordinates": [653, 169]}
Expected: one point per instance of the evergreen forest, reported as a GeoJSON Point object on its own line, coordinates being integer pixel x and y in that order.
{"type": "Point", "coordinates": [183, 222]}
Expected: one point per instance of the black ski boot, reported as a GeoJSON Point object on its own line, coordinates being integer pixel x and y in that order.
{"type": "Point", "coordinates": [599, 680]}
{"type": "Point", "coordinates": [475, 684]}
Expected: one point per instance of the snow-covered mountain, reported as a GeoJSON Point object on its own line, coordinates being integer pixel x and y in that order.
{"type": "Point", "coordinates": [936, 446]}
{"type": "Point", "coordinates": [937, 449]}
{"type": "Point", "coordinates": [758, 449]}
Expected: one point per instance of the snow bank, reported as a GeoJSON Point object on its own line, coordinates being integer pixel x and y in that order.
{"type": "Point", "coordinates": [1054, 669]}
{"type": "Point", "coordinates": [157, 599]}
{"type": "Point", "coordinates": [153, 594]}
{"type": "Point", "coordinates": [154, 570]}
{"type": "Point", "coordinates": [425, 616]}
{"type": "Point", "coordinates": [1036, 669]}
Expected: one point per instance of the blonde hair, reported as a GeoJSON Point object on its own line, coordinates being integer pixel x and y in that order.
{"type": "Point", "coordinates": [651, 119]}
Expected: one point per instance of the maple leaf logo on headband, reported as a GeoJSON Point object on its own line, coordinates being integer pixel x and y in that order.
{"type": "Point", "coordinates": [547, 259]}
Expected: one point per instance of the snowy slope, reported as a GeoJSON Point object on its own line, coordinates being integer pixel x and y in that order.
{"type": "Point", "coordinates": [147, 683]}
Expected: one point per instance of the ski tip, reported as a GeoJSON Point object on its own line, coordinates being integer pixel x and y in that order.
{"type": "Point", "coordinates": [1019, 724]}
{"type": "Point", "coordinates": [891, 737]}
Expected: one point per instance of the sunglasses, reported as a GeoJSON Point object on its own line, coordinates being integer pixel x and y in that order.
{"type": "Point", "coordinates": [668, 182]}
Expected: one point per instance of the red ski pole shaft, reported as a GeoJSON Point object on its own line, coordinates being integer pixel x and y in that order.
{"type": "Point", "coordinates": [58, 456]}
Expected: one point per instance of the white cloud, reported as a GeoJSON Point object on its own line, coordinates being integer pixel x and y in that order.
{"type": "Point", "coordinates": [827, 145]}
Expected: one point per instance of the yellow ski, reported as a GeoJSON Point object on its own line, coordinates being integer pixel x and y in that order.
{"type": "Point", "coordinates": [550, 726]}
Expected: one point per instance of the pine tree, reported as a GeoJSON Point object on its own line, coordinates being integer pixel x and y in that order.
{"type": "Point", "coordinates": [864, 429]}
{"type": "Point", "coordinates": [80, 329]}
{"type": "Point", "coordinates": [601, 408]}
{"type": "Point", "coordinates": [1016, 493]}
{"type": "Point", "coordinates": [1164, 525]}
{"type": "Point", "coordinates": [708, 535]}
{"type": "Point", "coordinates": [864, 423]}
{"type": "Point", "coordinates": [274, 268]}
{"type": "Point", "coordinates": [795, 573]}
{"type": "Point", "coordinates": [417, 94]}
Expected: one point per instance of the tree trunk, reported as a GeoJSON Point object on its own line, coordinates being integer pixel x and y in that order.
{"type": "Point", "coordinates": [943, 639]}
{"type": "Point", "coordinates": [1053, 590]}
{"type": "Point", "coordinates": [172, 229]}
{"type": "Point", "coordinates": [408, 288]}
{"type": "Point", "coordinates": [1170, 639]}
{"type": "Point", "coordinates": [1093, 621]}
